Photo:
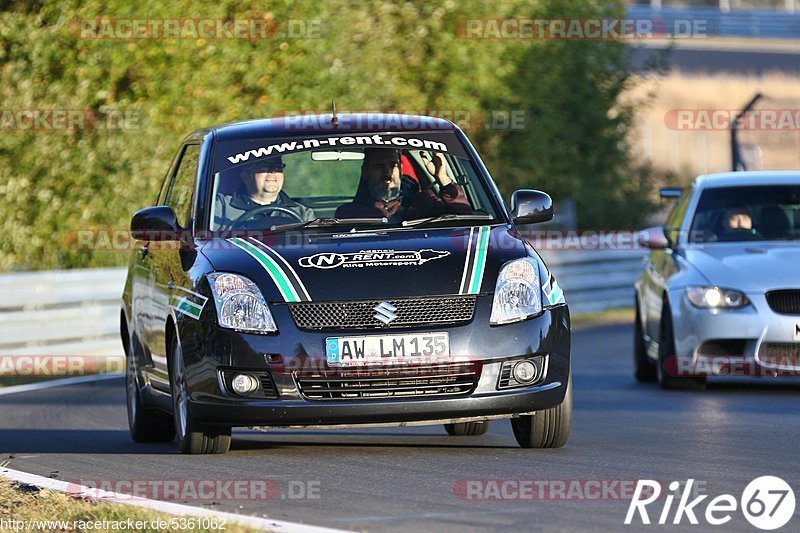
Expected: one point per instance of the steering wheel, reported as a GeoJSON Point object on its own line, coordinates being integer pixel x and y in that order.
{"type": "Point", "coordinates": [250, 215]}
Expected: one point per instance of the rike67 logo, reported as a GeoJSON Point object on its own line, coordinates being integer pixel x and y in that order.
{"type": "Point", "coordinates": [767, 502]}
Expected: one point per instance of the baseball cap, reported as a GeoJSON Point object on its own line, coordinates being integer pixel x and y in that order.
{"type": "Point", "coordinates": [269, 165]}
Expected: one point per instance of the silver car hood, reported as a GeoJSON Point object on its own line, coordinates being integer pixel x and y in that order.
{"type": "Point", "coordinates": [748, 267]}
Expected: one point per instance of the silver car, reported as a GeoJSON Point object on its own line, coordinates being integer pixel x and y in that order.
{"type": "Point", "coordinates": [720, 293]}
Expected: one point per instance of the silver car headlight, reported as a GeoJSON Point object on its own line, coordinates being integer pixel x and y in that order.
{"type": "Point", "coordinates": [715, 298]}
{"type": "Point", "coordinates": [240, 304]}
{"type": "Point", "coordinates": [517, 295]}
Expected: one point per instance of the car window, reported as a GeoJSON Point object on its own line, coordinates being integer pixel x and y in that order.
{"type": "Point", "coordinates": [737, 214]}
{"type": "Point", "coordinates": [181, 191]}
{"type": "Point", "coordinates": [320, 178]}
{"type": "Point", "coordinates": [162, 194]}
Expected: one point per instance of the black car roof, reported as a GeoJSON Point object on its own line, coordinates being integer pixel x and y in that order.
{"type": "Point", "coordinates": [305, 125]}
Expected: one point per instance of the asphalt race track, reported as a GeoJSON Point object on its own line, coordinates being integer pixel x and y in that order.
{"type": "Point", "coordinates": [410, 478]}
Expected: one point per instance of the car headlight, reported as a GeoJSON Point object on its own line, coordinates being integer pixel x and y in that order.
{"type": "Point", "coordinates": [517, 295]}
{"type": "Point", "coordinates": [240, 305]}
{"type": "Point", "coordinates": [715, 298]}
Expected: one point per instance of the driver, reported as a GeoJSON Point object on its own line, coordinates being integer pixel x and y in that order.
{"type": "Point", "coordinates": [262, 185]}
{"type": "Point", "coordinates": [738, 219]}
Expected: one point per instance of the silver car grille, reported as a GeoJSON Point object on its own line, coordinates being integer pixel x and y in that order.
{"type": "Point", "coordinates": [378, 314]}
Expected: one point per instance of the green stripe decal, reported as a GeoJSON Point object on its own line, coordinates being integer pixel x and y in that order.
{"type": "Point", "coordinates": [272, 268]}
{"type": "Point", "coordinates": [479, 262]}
{"type": "Point", "coordinates": [187, 308]}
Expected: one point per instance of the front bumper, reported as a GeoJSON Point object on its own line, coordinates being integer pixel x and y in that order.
{"type": "Point", "coordinates": [207, 349]}
{"type": "Point", "coordinates": [751, 341]}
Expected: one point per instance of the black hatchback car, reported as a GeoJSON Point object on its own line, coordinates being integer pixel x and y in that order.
{"type": "Point", "coordinates": [340, 271]}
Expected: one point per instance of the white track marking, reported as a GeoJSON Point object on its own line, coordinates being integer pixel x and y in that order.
{"type": "Point", "coordinates": [57, 383]}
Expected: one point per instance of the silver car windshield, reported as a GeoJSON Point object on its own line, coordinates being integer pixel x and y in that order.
{"type": "Point", "coordinates": [742, 214]}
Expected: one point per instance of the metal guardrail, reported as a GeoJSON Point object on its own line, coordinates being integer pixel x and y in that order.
{"type": "Point", "coordinates": [66, 312]}
{"type": "Point", "coordinates": [594, 280]}
{"type": "Point", "coordinates": [762, 24]}
{"type": "Point", "coordinates": [61, 312]}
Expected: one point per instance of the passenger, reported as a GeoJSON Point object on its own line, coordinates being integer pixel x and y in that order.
{"type": "Point", "coordinates": [384, 192]}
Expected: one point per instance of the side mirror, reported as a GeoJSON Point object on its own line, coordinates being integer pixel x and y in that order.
{"type": "Point", "coordinates": [654, 238]}
{"type": "Point", "coordinates": [670, 192]}
{"type": "Point", "coordinates": [155, 224]}
{"type": "Point", "coordinates": [530, 207]}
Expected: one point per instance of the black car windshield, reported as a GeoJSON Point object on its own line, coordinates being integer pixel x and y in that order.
{"type": "Point", "coordinates": [737, 214]}
{"type": "Point", "coordinates": [386, 179]}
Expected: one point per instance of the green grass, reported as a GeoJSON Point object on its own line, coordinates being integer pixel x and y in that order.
{"type": "Point", "coordinates": [27, 504]}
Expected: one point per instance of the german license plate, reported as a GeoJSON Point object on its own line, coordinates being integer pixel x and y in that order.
{"type": "Point", "coordinates": [387, 349]}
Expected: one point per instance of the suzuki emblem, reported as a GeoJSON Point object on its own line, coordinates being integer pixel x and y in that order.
{"type": "Point", "coordinates": [384, 312]}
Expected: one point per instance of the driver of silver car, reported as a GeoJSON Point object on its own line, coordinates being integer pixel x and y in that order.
{"type": "Point", "coordinates": [262, 185]}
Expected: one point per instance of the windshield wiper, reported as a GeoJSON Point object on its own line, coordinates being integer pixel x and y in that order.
{"type": "Point", "coordinates": [446, 218]}
{"type": "Point", "coordinates": [329, 221]}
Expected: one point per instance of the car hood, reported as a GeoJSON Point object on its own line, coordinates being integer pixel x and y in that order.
{"type": "Point", "coordinates": [749, 267]}
{"type": "Point", "coordinates": [381, 264]}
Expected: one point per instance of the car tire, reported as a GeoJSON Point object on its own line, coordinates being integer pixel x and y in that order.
{"type": "Point", "coordinates": [644, 369]}
{"type": "Point", "coordinates": [192, 439]}
{"type": "Point", "coordinates": [666, 350]}
{"type": "Point", "coordinates": [549, 428]}
{"type": "Point", "coordinates": [146, 424]}
{"type": "Point", "coordinates": [463, 429]}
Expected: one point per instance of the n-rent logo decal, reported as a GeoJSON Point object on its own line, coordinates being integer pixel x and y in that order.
{"type": "Point", "coordinates": [372, 258]}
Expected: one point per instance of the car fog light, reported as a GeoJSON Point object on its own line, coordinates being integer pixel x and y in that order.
{"type": "Point", "coordinates": [244, 383]}
{"type": "Point", "coordinates": [525, 372]}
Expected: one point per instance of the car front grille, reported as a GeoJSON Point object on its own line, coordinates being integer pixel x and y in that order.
{"type": "Point", "coordinates": [267, 386]}
{"type": "Point", "coordinates": [783, 354]}
{"type": "Point", "coordinates": [785, 302]}
{"type": "Point", "coordinates": [423, 381]}
{"type": "Point", "coordinates": [360, 314]}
